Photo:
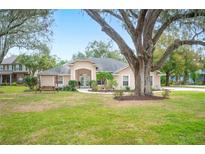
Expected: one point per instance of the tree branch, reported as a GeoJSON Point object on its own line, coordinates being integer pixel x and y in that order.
{"type": "Point", "coordinates": [125, 49]}
{"type": "Point", "coordinates": [133, 13]}
{"type": "Point", "coordinates": [112, 13]}
{"type": "Point", "coordinates": [172, 47]}
{"type": "Point", "coordinates": [176, 17]}
{"type": "Point", "coordinates": [127, 21]}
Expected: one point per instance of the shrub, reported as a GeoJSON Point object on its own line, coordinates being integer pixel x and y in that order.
{"type": "Point", "coordinates": [118, 93]}
{"type": "Point", "coordinates": [166, 93]}
{"type": "Point", "coordinates": [94, 85]}
{"type": "Point", "coordinates": [31, 82]}
{"type": "Point", "coordinates": [66, 88]}
{"type": "Point", "coordinates": [111, 84]}
{"type": "Point", "coordinates": [72, 85]}
{"type": "Point", "coordinates": [14, 84]}
{"type": "Point", "coordinates": [127, 88]}
{"type": "Point", "coordinates": [4, 84]}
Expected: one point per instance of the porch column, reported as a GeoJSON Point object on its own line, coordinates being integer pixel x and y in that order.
{"type": "Point", "coordinates": [10, 79]}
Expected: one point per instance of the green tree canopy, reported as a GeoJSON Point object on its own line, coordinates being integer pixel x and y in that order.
{"type": "Point", "coordinates": [103, 76]}
{"type": "Point", "coordinates": [99, 49]}
{"type": "Point", "coordinates": [38, 61]}
{"type": "Point", "coordinates": [24, 29]}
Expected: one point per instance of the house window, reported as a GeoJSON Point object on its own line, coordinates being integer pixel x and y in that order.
{"type": "Point", "coordinates": [125, 81]}
{"type": "Point", "coordinates": [101, 82]}
{"type": "Point", "coordinates": [17, 67]}
{"type": "Point", "coordinates": [10, 67]}
{"type": "Point", "coordinates": [20, 67]}
{"type": "Point", "coordinates": [60, 79]}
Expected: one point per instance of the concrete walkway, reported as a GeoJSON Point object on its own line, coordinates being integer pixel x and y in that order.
{"type": "Point", "coordinates": [92, 92]}
{"type": "Point", "coordinates": [184, 89]}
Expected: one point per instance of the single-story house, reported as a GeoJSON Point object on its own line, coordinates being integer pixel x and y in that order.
{"type": "Point", "coordinates": [84, 70]}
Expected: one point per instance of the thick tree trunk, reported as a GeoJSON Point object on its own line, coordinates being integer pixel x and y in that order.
{"type": "Point", "coordinates": [139, 78]}
{"type": "Point", "coordinates": [142, 80]}
{"type": "Point", "coordinates": [167, 79]}
{"type": "Point", "coordinates": [148, 86]}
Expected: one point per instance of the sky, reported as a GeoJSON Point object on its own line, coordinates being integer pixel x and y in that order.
{"type": "Point", "coordinates": [73, 30]}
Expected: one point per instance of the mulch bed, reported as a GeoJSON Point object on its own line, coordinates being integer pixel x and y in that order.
{"type": "Point", "coordinates": [138, 98]}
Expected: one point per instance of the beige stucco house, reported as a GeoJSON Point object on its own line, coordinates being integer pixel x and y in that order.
{"type": "Point", "coordinates": [84, 70]}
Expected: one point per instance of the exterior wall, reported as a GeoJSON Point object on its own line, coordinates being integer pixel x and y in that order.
{"type": "Point", "coordinates": [83, 65]}
{"type": "Point", "coordinates": [47, 80]}
{"type": "Point", "coordinates": [19, 77]}
{"type": "Point", "coordinates": [128, 72]}
{"type": "Point", "coordinates": [66, 78]}
{"type": "Point", "coordinates": [119, 78]}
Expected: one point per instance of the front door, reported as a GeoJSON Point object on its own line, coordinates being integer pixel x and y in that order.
{"type": "Point", "coordinates": [84, 81]}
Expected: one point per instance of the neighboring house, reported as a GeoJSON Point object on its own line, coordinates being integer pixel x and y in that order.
{"type": "Point", "coordinates": [12, 71]}
{"type": "Point", "coordinates": [84, 70]}
{"type": "Point", "coordinates": [200, 79]}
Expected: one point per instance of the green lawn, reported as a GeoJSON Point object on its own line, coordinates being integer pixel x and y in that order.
{"type": "Point", "coordinates": [77, 118]}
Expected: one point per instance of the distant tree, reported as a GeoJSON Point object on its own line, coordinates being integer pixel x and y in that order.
{"type": "Point", "coordinates": [61, 62]}
{"type": "Point", "coordinates": [79, 55]}
{"type": "Point", "coordinates": [24, 29]}
{"type": "Point", "coordinates": [38, 61]}
{"type": "Point", "coordinates": [174, 65]}
{"type": "Point", "coordinates": [99, 49]}
{"type": "Point", "coordinates": [192, 63]}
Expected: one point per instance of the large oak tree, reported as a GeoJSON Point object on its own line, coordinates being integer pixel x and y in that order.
{"type": "Point", "coordinates": [145, 27]}
{"type": "Point", "coordinates": [24, 29]}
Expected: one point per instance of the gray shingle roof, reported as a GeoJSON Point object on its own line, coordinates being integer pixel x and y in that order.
{"type": "Point", "coordinates": [102, 64]}
{"type": "Point", "coordinates": [9, 60]}
{"type": "Point", "coordinates": [107, 64]}
{"type": "Point", "coordinates": [64, 69]}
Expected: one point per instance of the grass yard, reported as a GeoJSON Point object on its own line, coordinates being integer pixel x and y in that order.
{"type": "Point", "coordinates": [77, 118]}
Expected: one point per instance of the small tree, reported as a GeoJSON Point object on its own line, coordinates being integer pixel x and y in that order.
{"type": "Point", "coordinates": [104, 76]}
{"type": "Point", "coordinates": [31, 82]}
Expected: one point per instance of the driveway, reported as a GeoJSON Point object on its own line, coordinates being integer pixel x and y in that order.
{"type": "Point", "coordinates": [185, 89]}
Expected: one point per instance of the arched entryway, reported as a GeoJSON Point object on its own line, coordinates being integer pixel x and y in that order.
{"type": "Point", "coordinates": [83, 76]}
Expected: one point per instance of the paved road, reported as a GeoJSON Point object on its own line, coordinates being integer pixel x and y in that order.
{"type": "Point", "coordinates": [184, 89]}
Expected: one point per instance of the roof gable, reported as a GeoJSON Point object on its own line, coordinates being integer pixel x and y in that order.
{"type": "Point", "coordinates": [64, 69]}
{"type": "Point", "coordinates": [9, 60]}
{"type": "Point", "coordinates": [107, 64]}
